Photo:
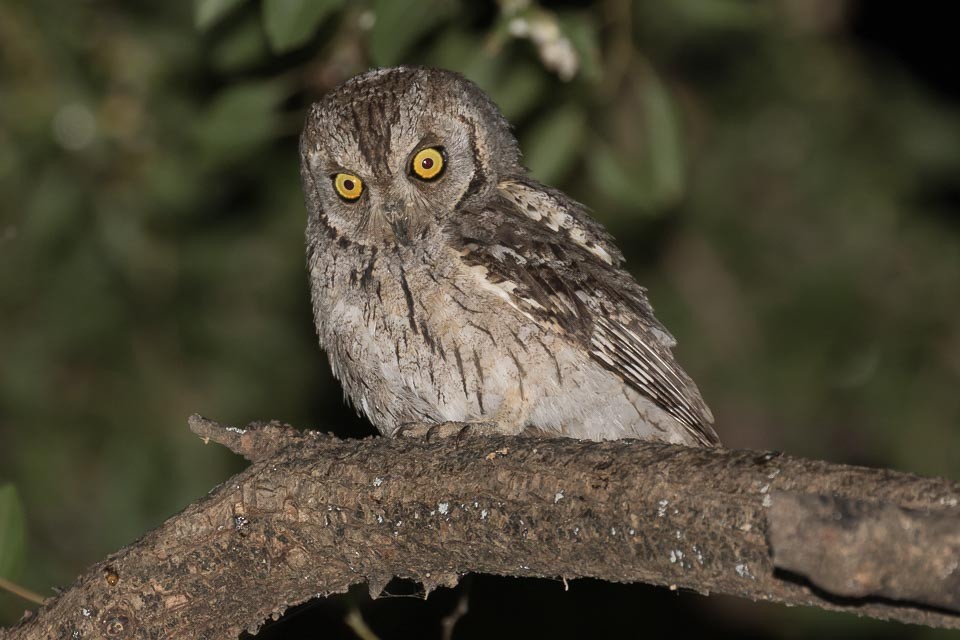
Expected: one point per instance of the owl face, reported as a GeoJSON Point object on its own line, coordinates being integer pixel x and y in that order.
{"type": "Point", "coordinates": [389, 155]}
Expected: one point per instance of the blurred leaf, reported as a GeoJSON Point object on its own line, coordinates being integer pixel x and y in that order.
{"type": "Point", "coordinates": [553, 144]}
{"type": "Point", "coordinates": [618, 180]}
{"type": "Point", "coordinates": [463, 51]}
{"type": "Point", "coordinates": [730, 14]}
{"type": "Point", "coordinates": [516, 85]}
{"type": "Point", "coordinates": [13, 532]}
{"type": "Point", "coordinates": [243, 47]}
{"type": "Point", "coordinates": [710, 14]}
{"type": "Point", "coordinates": [208, 12]}
{"type": "Point", "coordinates": [240, 119]}
{"type": "Point", "coordinates": [582, 31]}
{"type": "Point", "coordinates": [400, 23]}
{"type": "Point", "coordinates": [290, 23]}
{"type": "Point", "coordinates": [641, 167]}
{"type": "Point", "coordinates": [664, 148]}
{"type": "Point", "coordinates": [519, 88]}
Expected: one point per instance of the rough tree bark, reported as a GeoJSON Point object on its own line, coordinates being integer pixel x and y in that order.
{"type": "Point", "coordinates": [313, 515]}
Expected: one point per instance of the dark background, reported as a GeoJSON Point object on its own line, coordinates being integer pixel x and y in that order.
{"type": "Point", "coordinates": [782, 175]}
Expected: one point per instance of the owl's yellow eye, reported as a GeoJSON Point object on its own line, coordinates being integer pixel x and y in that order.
{"type": "Point", "coordinates": [349, 187]}
{"type": "Point", "coordinates": [428, 163]}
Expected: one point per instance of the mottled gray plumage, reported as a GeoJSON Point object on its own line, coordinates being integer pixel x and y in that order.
{"type": "Point", "coordinates": [480, 294]}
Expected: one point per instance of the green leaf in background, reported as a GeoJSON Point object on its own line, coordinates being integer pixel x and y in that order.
{"type": "Point", "coordinates": [646, 173]}
{"type": "Point", "coordinates": [516, 85]}
{"type": "Point", "coordinates": [400, 23]}
{"type": "Point", "coordinates": [462, 51]}
{"type": "Point", "coordinates": [13, 532]}
{"type": "Point", "coordinates": [553, 144]}
{"type": "Point", "coordinates": [240, 119]}
{"type": "Point", "coordinates": [619, 179]}
{"type": "Point", "coordinates": [517, 88]}
{"type": "Point", "coordinates": [208, 12]}
{"type": "Point", "coordinates": [582, 31]}
{"type": "Point", "coordinates": [243, 47]}
{"type": "Point", "coordinates": [723, 14]}
{"type": "Point", "coordinates": [664, 141]}
{"type": "Point", "coordinates": [290, 23]}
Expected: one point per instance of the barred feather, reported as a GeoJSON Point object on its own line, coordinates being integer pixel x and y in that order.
{"type": "Point", "coordinates": [545, 255]}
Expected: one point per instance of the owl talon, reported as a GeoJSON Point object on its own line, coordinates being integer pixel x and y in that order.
{"type": "Point", "coordinates": [443, 430]}
{"type": "Point", "coordinates": [415, 430]}
{"type": "Point", "coordinates": [479, 429]}
{"type": "Point", "coordinates": [430, 431]}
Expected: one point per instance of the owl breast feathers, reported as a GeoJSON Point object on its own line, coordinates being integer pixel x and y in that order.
{"type": "Point", "coordinates": [448, 286]}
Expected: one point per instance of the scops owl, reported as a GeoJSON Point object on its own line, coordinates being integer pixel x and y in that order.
{"type": "Point", "coordinates": [449, 286]}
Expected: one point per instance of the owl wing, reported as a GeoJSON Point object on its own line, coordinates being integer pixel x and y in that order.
{"type": "Point", "coordinates": [557, 265]}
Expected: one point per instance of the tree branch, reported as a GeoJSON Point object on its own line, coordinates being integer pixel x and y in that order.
{"type": "Point", "coordinates": [313, 515]}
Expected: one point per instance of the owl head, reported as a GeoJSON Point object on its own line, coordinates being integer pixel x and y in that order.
{"type": "Point", "coordinates": [389, 155]}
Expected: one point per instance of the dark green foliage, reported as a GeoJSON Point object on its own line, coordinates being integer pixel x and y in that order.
{"type": "Point", "coordinates": [12, 532]}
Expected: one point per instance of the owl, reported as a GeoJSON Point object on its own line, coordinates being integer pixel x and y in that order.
{"type": "Point", "coordinates": [449, 286]}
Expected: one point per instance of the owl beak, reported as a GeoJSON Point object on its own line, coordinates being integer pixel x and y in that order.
{"type": "Point", "coordinates": [396, 215]}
